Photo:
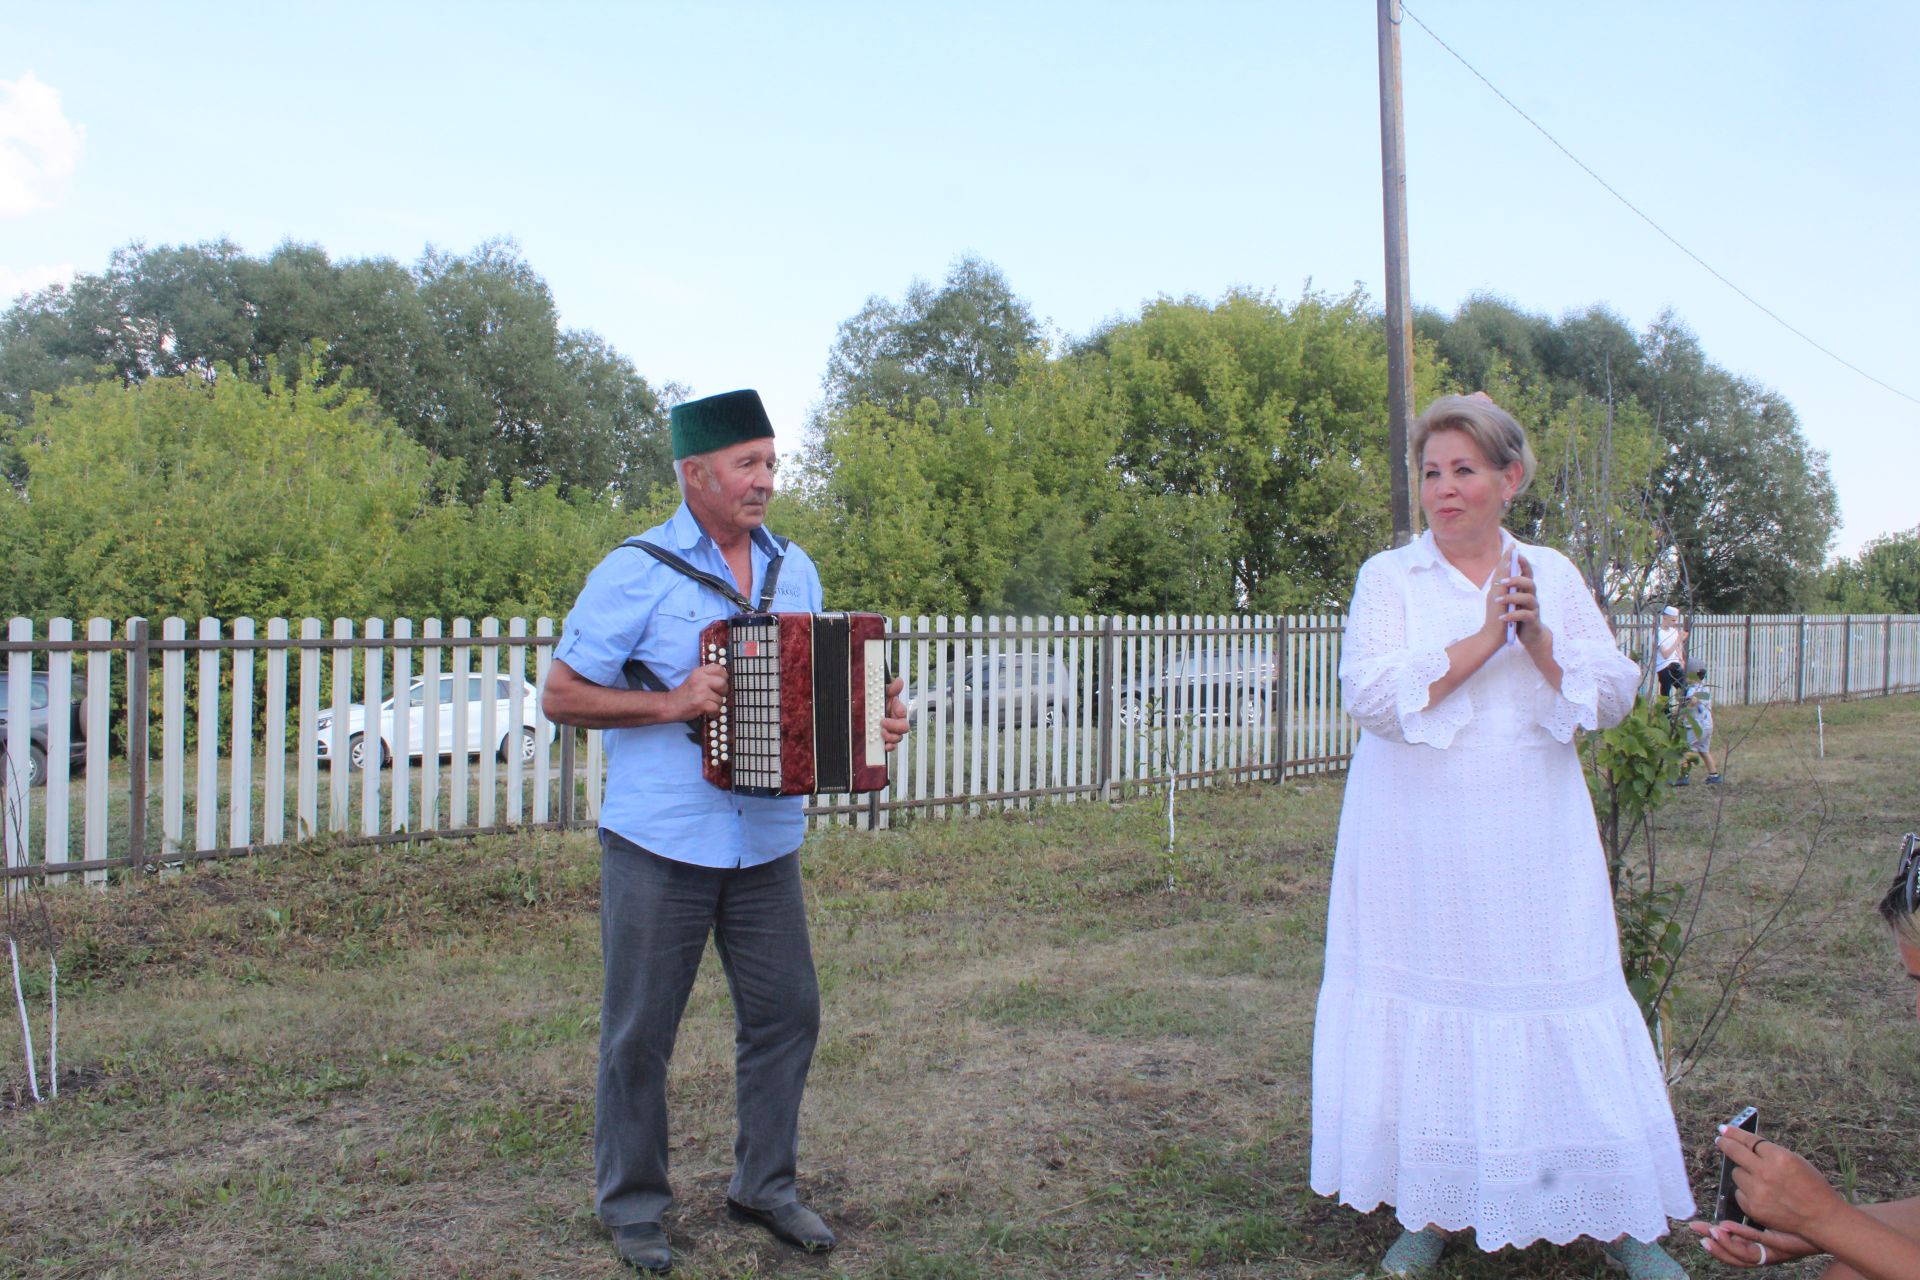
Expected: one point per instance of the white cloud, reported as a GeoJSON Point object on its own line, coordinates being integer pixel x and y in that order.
{"type": "Point", "coordinates": [31, 279]}
{"type": "Point", "coordinates": [39, 146]}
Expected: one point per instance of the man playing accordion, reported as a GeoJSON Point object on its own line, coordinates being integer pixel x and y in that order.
{"type": "Point", "coordinates": [681, 857]}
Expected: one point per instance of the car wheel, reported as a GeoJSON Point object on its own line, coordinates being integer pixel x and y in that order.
{"type": "Point", "coordinates": [36, 767]}
{"type": "Point", "coordinates": [1131, 710]}
{"type": "Point", "coordinates": [529, 746]}
{"type": "Point", "coordinates": [357, 749]}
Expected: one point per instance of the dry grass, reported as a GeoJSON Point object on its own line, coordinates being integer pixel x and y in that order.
{"type": "Point", "coordinates": [1036, 1062]}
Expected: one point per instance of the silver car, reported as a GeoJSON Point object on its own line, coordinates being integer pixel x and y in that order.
{"type": "Point", "coordinates": [1240, 688]}
{"type": "Point", "coordinates": [1033, 686]}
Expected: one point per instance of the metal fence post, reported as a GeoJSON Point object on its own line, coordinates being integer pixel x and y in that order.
{"type": "Point", "coordinates": [1281, 670]}
{"type": "Point", "coordinates": [138, 637]}
{"type": "Point", "coordinates": [16, 759]}
{"type": "Point", "coordinates": [1109, 703]}
{"type": "Point", "coordinates": [1800, 662]}
{"type": "Point", "coordinates": [1746, 664]}
{"type": "Point", "coordinates": [1886, 655]}
{"type": "Point", "coordinates": [1846, 662]}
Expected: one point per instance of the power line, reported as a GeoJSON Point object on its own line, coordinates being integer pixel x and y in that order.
{"type": "Point", "coordinates": [1588, 170]}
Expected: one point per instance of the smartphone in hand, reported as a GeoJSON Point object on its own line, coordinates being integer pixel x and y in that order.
{"type": "Point", "coordinates": [1513, 570]}
{"type": "Point", "coordinates": [1725, 1207]}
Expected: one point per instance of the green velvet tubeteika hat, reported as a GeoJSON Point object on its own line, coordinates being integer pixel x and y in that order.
{"type": "Point", "coordinates": [701, 426]}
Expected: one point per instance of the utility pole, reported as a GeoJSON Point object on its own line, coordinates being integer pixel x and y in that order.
{"type": "Point", "coordinates": [1393, 188]}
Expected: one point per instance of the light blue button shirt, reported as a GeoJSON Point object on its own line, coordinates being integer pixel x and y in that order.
{"type": "Point", "coordinates": [635, 607]}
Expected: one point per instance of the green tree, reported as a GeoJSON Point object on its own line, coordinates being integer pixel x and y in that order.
{"type": "Point", "coordinates": [624, 448]}
{"type": "Point", "coordinates": [940, 513]}
{"type": "Point", "coordinates": [522, 558]}
{"type": "Point", "coordinates": [941, 474]}
{"type": "Point", "coordinates": [464, 352]}
{"type": "Point", "coordinates": [1591, 353]}
{"type": "Point", "coordinates": [1254, 427]}
{"type": "Point", "coordinates": [1748, 504]}
{"type": "Point", "coordinates": [1883, 578]}
{"type": "Point", "coordinates": [1732, 510]}
{"type": "Point", "coordinates": [501, 394]}
{"type": "Point", "coordinates": [879, 526]}
{"type": "Point", "coordinates": [1485, 334]}
{"type": "Point", "coordinates": [951, 344]}
{"type": "Point", "coordinates": [1590, 496]}
{"type": "Point", "coordinates": [212, 495]}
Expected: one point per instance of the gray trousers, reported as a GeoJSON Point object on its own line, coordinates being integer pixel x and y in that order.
{"type": "Point", "coordinates": [655, 915]}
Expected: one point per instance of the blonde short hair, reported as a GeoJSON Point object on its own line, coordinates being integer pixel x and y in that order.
{"type": "Point", "coordinates": [1501, 439]}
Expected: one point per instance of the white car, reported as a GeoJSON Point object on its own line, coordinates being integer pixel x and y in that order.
{"type": "Point", "coordinates": [528, 747]}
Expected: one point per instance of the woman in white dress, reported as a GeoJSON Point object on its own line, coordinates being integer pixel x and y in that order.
{"type": "Point", "coordinates": [1477, 1059]}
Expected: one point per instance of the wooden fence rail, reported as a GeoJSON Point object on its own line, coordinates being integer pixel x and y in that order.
{"type": "Point", "coordinates": [257, 732]}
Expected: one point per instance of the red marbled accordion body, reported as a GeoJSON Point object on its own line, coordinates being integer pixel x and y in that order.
{"type": "Point", "coordinates": [806, 692]}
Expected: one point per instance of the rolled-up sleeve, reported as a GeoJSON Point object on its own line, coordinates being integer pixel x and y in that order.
{"type": "Point", "coordinates": [1597, 681]}
{"type": "Point", "coordinates": [605, 625]}
{"type": "Point", "coordinates": [1385, 680]}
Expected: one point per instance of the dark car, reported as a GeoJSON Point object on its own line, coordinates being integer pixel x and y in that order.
{"type": "Point", "coordinates": [38, 701]}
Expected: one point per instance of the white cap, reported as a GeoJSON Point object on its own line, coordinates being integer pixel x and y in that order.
{"type": "Point", "coordinates": [1671, 612]}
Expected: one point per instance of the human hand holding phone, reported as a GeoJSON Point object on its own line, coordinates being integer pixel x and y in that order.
{"type": "Point", "coordinates": [1726, 1208]}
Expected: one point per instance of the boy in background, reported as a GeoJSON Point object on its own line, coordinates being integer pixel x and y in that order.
{"type": "Point", "coordinates": [1696, 717]}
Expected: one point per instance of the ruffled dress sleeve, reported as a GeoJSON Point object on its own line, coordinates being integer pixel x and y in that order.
{"type": "Point", "coordinates": [1383, 677]}
{"type": "Point", "coordinates": [1597, 681]}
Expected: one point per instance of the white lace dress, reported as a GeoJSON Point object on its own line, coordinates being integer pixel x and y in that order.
{"type": "Point", "coordinates": [1477, 1059]}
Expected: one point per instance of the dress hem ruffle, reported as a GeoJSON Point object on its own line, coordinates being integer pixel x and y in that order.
{"type": "Point", "coordinates": [1486, 1243]}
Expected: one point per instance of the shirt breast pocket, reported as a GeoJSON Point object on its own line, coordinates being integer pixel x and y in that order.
{"type": "Point", "coordinates": [790, 598]}
{"type": "Point", "coordinates": [684, 612]}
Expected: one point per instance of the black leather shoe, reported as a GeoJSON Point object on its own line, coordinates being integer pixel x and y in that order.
{"type": "Point", "coordinates": [792, 1222]}
{"type": "Point", "coordinates": [643, 1246]}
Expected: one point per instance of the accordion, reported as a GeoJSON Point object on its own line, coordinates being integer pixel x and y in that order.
{"type": "Point", "coordinates": [805, 695]}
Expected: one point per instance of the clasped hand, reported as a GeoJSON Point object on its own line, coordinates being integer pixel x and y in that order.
{"type": "Point", "coordinates": [1512, 600]}
{"type": "Point", "coordinates": [704, 693]}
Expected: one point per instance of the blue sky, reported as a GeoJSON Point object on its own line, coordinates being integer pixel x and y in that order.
{"type": "Point", "coordinates": [715, 187]}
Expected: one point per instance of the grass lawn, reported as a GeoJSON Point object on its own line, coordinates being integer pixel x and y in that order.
{"type": "Point", "coordinates": [1036, 1060]}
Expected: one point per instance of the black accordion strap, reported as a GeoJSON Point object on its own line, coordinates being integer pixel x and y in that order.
{"type": "Point", "coordinates": [701, 576]}
{"type": "Point", "coordinates": [639, 674]}
{"type": "Point", "coordinates": [773, 574]}
{"type": "Point", "coordinates": [716, 583]}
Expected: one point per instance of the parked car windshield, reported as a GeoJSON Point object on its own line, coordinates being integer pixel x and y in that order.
{"type": "Point", "coordinates": [1009, 671]}
{"type": "Point", "coordinates": [37, 697]}
{"type": "Point", "coordinates": [476, 690]}
{"type": "Point", "coordinates": [1227, 664]}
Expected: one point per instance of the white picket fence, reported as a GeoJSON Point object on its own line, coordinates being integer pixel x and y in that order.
{"type": "Point", "coordinates": [1008, 712]}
